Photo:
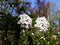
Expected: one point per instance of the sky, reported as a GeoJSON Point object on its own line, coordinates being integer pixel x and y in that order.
{"type": "Point", "coordinates": [52, 1]}
{"type": "Point", "coordinates": [33, 4]}
{"type": "Point", "coordinates": [55, 1]}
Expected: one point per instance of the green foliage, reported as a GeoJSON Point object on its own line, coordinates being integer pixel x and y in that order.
{"type": "Point", "coordinates": [27, 37]}
{"type": "Point", "coordinates": [51, 37]}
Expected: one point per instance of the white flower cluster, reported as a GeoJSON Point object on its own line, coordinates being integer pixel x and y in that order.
{"type": "Point", "coordinates": [42, 24]}
{"type": "Point", "coordinates": [25, 20]}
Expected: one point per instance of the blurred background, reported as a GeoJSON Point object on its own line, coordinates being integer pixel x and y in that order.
{"type": "Point", "coordinates": [10, 31]}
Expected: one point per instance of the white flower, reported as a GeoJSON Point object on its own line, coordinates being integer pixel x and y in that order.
{"type": "Point", "coordinates": [27, 26]}
{"type": "Point", "coordinates": [58, 32]}
{"type": "Point", "coordinates": [25, 20]}
{"type": "Point", "coordinates": [42, 24]}
{"type": "Point", "coordinates": [32, 34]}
{"type": "Point", "coordinates": [23, 31]}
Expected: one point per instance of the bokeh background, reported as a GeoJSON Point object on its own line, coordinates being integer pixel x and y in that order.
{"type": "Point", "coordinates": [11, 33]}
